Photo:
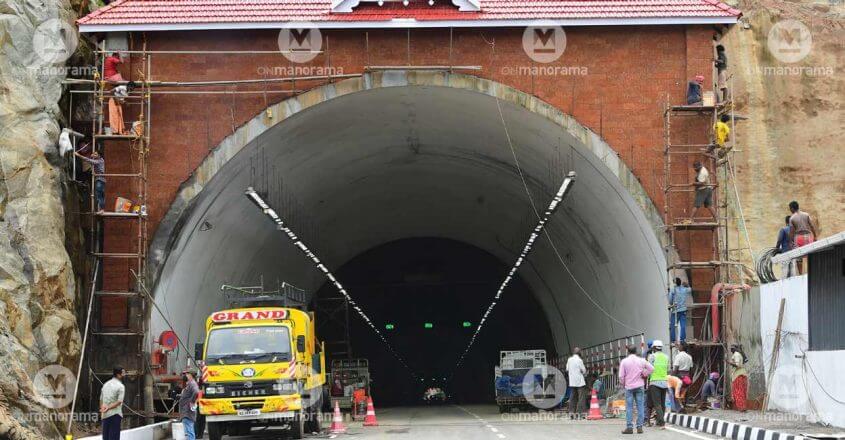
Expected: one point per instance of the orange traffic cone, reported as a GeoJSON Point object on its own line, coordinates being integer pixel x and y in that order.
{"type": "Point", "coordinates": [595, 411]}
{"type": "Point", "coordinates": [337, 421]}
{"type": "Point", "coordinates": [370, 420]}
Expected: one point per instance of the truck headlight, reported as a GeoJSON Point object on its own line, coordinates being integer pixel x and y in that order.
{"type": "Point", "coordinates": [214, 390]}
{"type": "Point", "coordinates": [285, 387]}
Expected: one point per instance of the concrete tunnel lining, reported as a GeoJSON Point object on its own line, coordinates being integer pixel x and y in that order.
{"type": "Point", "coordinates": [371, 160]}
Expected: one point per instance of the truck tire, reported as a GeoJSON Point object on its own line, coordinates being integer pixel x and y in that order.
{"type": "Point", "coordinates": [297, 426]}
{"type": "Point", "coordinates": [215, 431]}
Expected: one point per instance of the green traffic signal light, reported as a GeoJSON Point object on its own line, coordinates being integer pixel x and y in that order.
{"type": "Point", "coordinates": [389, 326]}
{"type": "Point", "coordinates": [428, 325]}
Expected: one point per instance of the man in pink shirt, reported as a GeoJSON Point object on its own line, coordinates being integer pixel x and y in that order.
{"type": "Point", "coordinates": [632, 373]}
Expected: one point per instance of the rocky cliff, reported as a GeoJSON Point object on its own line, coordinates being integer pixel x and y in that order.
{"type": "Point", "coordinates": [37, 288]}
{"type": "Point", "coordinates": [791, 146]}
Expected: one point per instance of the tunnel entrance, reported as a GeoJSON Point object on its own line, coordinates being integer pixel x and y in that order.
{"type": "Point", "coordinates": [427, 294]}
{"type": "Point", "coordinates": [368, 166]}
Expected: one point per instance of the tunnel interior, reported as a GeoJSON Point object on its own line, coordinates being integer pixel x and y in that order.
{"type": "Point", "coordinates": [425, 294]}
{"type": "Point", "coordinates": [396, 184]}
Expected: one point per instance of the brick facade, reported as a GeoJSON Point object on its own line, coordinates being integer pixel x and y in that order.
{"type": "Point", "coordinates": [630, 73]}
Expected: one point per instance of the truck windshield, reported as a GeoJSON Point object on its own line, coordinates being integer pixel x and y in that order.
{"type": "Point", "coordinates": [248, 345]}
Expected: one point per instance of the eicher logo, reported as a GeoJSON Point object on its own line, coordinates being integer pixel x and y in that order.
{"type": "Point", "coordinates": [248, 315]}
{"type": "Point", "coordinates": [790, 41]}
{"type": "Point", "coordinates": [544, 42]}
{"type": "Point", "coordinates": [300, 42]}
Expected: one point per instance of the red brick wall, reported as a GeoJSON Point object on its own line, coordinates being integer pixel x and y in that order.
{"type": "Point", "coordinates": [630, 73]}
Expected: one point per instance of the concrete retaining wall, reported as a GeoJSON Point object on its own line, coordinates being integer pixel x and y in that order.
{"type": "Point", "coordinates": [157, 431]}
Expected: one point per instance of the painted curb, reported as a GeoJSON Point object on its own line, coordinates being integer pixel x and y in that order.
{"type": "Point", "coordinates": [731, 430]}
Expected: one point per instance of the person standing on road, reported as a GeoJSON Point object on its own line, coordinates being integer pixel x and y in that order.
{"type": "Point", "coordinates": [802, 231]}
{"type": "Point", "coordinates": [632, 373]}
{"type": "Point", "coordinates": [739, 378]}
{"type": "Point", "coordinates": [657, 381]}
{"type": "Point", "coordinates": [576, 370]}
{"type": "Point", "coordinates": [188, 404]}
{"type": "Point", "coordinates": [111, 404]}
{"type": "Point", "coordinates": [678, 306]}
{"type": "Point", "coordinates": [682, 364]}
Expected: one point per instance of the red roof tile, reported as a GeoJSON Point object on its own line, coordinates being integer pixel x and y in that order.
{"type": "Point", "coordinates": [162, 12]}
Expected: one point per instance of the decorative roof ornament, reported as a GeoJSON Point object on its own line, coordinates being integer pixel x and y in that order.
{"type": "Point", "coordinates": [346, 6]}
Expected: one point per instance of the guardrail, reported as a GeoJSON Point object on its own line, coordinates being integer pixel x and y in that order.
{"type": "Point", "coordinates": [602, 360]}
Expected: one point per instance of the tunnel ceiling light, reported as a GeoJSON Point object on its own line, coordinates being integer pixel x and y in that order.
{"type": "Point", "coordinates": [270, 212]}
{"type": "Point", "coordinates": [529, 245]}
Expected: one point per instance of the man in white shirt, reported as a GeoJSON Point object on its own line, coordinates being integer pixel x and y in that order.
{"type": "Point", "coordinates": [578, 386]}
{"type": "Point", "coordinates": [703, 191]}
{"type": "Point", "coordinates": [111, 405]}
{"type": "Point", "coordinates": [682, 363]}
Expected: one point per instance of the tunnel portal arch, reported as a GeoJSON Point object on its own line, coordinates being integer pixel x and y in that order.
{"type": "Point", "coordinates": [399, 154]}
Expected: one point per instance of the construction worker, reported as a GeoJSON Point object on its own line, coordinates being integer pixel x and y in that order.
{"type": "Point", "coordinates": [783, 245]}
{"type": "Point", "coordinates": [739, 378]}
{"type": "Point", "coordinates": [703, 191]}
{"type": "Point", "coordinates": [111, 404]}
{"type": "Point", "coordinates": [657, 381]}
{"type": "Point", "coordinates": [802, 231]}
{"type": "Point", "coordinates": [722, 69]}
{"type": "Point", "coordinates": [710, 389]}
{"type": "Point", "coordinates": [678, 307]}
{"type": "Point", "coordinates": [682, 364]}
{"type": "Point", "coordinates": [98, 167]}
{"type": "Point", "coordinates": [110, 64]}
{"type": "Point", "coordinates": [694, 90]}
{"type": "Point", "coordinates": [576, 369]}
{"type": "Point", "coordinates": [722, 134]}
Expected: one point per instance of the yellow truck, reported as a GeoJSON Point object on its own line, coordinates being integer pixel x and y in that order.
{"type": "Point", "coordinates": [262, 366]}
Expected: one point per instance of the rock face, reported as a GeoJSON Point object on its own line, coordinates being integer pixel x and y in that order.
{"type": "Point", "coordinates": [37, 288]}
{"type": "Point", "coordinates": [792, 143]}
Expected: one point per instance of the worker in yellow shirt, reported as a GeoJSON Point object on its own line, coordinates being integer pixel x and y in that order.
{"type": "Point", "coordinates": [723, 134]}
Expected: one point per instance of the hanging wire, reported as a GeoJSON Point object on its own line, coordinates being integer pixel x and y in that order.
{"type": "Point", "coordinates": [548, 236]}
{"type": "Point", "coordinates": [529, 245]}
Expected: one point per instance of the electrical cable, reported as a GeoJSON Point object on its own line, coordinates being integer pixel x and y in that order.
{"type": "Point", "coordinates": [553, 205]}
{"type": "Point", "coordinates": [256, 198]}
{"type": "Point", "coordinates": [763, 266]}
{"type": "Point", "coordinates": [548, 236]}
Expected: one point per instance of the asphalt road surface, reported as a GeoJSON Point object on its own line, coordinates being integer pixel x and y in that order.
{"type": "Point", "coordinates": [483, 422]}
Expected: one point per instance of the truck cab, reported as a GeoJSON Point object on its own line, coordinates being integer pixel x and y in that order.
{"type": "Point", "coordinates": [263, 366]}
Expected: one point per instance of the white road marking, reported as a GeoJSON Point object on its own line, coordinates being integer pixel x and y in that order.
{"type": "Point", "coordinates": [500, 435]}
{"type": "Point", "coordinates": [691, 434]}
{"type": "Point", "coordinates": [493, 429]}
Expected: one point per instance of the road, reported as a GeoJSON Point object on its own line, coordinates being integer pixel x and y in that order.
{"type": "Point", "coordinates": [483, 422]}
